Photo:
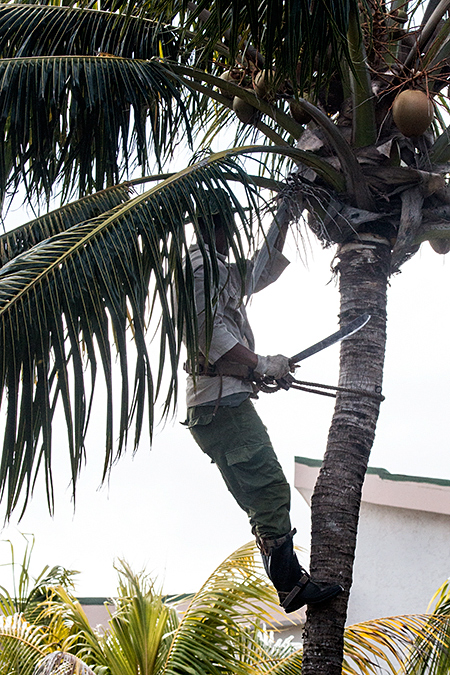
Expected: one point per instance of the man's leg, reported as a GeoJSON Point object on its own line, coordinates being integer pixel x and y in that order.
{"type": "Point", "coordinates": [237, 441]}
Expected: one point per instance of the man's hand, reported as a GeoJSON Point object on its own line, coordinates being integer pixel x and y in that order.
{"type": "Point", "coordinates": [273, 366]}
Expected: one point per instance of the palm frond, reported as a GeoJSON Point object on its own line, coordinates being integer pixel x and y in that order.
{"type": "Point", "coordinates": [22, 645]}
{"type": "Point", "coordinates": [59, 301]}
{"type": "Point", "coordinates": [31, 30]}
{"type": "Point", "coordinates": [211, 628]}
{"type": "Point", "coordinates": [291, 36]}
{"type": "Point", "coordinates": [290, 664]}
{"type": "Point", "coordinates": [220, 631]}
{"type": "Point", "coordinates": [28, 595]}
{"type": "Point", "coordinates": [213, 112]}
{"type": "Point", "coordinates": [412, 644]}
{"type": "Point", "coordinates": [22, 238]}
{"type": "Point", "coordinates": [141, 628]}
{"type": "Point", "coordinates": [426, 33]}
{"type": "Point", "coordinates": [66, 617]}
{"type": "Point", "coordinates": [188, 73]}
{"type": "Point", "coordinates": [138, 633]}
{"type": "Point", "coordinates": [356, 184]}
{"type": "Point", "coordinates": [57, 112]}
{"type": "Point", "coordinates": [364, 126]}
{"type": "Point", "coordinates": [431, 653]}
{"type": "Point", "coordinates": [166, 11]}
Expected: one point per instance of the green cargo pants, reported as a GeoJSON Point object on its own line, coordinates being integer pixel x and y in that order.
{"type": "Point", "coordinates": [237, 441]}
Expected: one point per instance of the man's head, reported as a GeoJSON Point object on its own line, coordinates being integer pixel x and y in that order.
{"type": "Point", "coordinates": [218, 216]}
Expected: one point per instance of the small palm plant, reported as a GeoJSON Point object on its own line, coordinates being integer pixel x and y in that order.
{"type": "Point", "coordinates": [220, 630]}
{"type": "Point", "coordinates": [28, 593]}
{"type": "Point", "coordinates": [227, 627]}
{"type": "Point", "coordinates": [26, 633]}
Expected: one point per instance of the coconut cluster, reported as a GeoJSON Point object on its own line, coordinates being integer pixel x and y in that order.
{"type": "Point", "coordinates": [412, 109]}
{"type": "Point", "coordinates": [263, 84]}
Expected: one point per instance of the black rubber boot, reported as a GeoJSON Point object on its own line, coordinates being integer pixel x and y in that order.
{"type": "Point", "coordinates": [294, 585]}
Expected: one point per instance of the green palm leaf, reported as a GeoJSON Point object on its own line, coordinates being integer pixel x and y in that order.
{"type": "Point", "coordinates": [81, 639]}
{"type": "Point", "coordinates": [289, 35]}
{"type": "Point", "coordinates": [40, 30]}
{"type": "Point", "coordinates": [219, 631]}
{"type": "Point", "coordinates": [290, 664]}
{"type": "Point", "coordinates": [222, 630]}
{"type": "Point", "coordinates": [432, 656]}
{"type": "Point", "coordinates": [60, 301]}
{"type": "Point", "coordinates": [140, 630]}
{"type": "Point", "coordinates": [76, 118]}
{"type": "Point", "coordinates": [138, 633]}
{"type": "Point", "coordinates": [56, 112]}
{"type": "Point", "coordinates": [412, 644]}
{"type": "Point", "coordinates": [14, 242]}
{"type": "Point", "coordinates": [29, 594]}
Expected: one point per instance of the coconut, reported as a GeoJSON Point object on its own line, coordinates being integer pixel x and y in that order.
{"type": "Point", "coordinates": [297, 112]}
{"type": "Point", "coordinates": [413, 112]}
{"type": "Point", "coordinates": [263, 83]}
{"type": "Point", "coordinates": [245, 112]}
{"type": "Point", "coordinates": [229, 76]}
{"type": "Point", "coordinates": [441, 246]}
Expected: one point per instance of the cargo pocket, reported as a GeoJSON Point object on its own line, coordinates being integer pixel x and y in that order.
{"type": "Point", "coordinates": [242, 454]}
{"type": "Point", "coordinates": [256, 468]}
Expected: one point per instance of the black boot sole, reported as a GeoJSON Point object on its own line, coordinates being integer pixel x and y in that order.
{"type": "Point", "coordinates": [310, 596]}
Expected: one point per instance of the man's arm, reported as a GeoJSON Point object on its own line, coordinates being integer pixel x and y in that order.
{"type": "Point", "coordinates": [240, 354]}
{"type": "Point", "coordinates": [275, 366]}
{"type": "Point", "coordinates": [281, 238]}
{"type": "Point", "coordinates": [269, 262]}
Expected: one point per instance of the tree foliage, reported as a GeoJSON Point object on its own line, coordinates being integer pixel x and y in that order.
{"type": "Point", "coordinates": [97, 92]}
{"type": "Point", "coordinates": [225, 627]}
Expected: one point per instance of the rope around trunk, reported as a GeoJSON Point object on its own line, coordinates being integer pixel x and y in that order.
{"type": "Point", "coordinates": [315, 388]}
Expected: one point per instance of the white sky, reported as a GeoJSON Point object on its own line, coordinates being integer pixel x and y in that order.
{"type": "Point", "coordinates": [167, 509]}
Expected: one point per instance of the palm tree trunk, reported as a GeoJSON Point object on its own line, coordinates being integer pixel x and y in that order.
{"type": "Point", "coordinates": [363, 268]}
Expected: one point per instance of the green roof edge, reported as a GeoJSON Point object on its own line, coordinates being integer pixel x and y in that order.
{"type": "Point", "coordinates": [384, 474]}
{"type": "Point", "coordinates": [101, 600]}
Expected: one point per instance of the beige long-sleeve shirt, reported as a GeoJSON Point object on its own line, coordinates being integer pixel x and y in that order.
{"type": "Point", "coordinates": [231, 325]}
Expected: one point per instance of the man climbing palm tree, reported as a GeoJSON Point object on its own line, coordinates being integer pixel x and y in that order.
{"type": "Point", "coordinates": [224, 422]}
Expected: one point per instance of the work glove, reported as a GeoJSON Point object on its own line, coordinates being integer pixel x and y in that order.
{"type": "Point", "coordinates": [273, 366]}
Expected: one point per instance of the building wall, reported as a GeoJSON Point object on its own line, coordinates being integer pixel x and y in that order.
{"type": "Point", "coordinates": [283, 625]}
{"type": "Point", "coordinates": [402, 557]}
{"type": "Point", "coordinates": [97, 613]}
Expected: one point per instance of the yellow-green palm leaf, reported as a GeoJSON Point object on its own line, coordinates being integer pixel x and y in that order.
{"type": "Point", "coordinates": [22, 645]}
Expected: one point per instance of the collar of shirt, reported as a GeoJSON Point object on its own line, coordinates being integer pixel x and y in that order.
{"type": "Point", "coordinates": [195, 247]}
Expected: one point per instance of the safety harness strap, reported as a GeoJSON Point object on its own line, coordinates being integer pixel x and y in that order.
{"type": "Point", "coordinates": [220, 368]}
{"type": "Point", "coordinates": [266, 546]}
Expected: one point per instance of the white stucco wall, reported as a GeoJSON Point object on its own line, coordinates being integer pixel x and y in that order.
{"type": "Point", "coordinates": [403, 550]}
{"type": "Point", "coordinates": [402, 557]}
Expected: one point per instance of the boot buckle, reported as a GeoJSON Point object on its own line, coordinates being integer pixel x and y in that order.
{"type": "Point", "coordinates": [299, 586]}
